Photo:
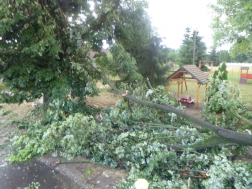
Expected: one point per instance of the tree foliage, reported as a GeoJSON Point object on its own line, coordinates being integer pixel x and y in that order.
{"type": "Point", "coordinates": [221, 73]}
{"type": "Point", "coordinates": [186, 50]}
{"type": "Point", "coordinates": [150, 143]}
{"type": "Point", "coordinates": [173, 55]}
{"type": "Point", "coordinates": [242, 57]}
{"type": "Point", "coordinates": [225, 99]}
{"type": "Point", "coordinates": [139, 39]}
{"type": "Point", "coordinates": [215, 57]}
{"type": "Point", "coordinates": [232, 23]}
{"type": "Point", "coordinates": [45, 47]}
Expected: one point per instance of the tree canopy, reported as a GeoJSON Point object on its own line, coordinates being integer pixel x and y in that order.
{"type": "Point", "coordinates": [139, 39]}
{"type": "Point", "coordinates": [45, 46]}
{"type": "Point", "coordinates": [232, 24]}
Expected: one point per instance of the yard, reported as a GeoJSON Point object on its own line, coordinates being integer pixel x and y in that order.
{"type": "Point", "coordinates": [233, 77]}
{"type": "Point", "coordinates": [11, 115]}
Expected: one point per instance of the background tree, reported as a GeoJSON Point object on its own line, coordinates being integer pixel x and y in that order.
{"type": "Point", "coordinates": [232, 23]}
{"type": "Point", "coordinates": [173, 55]}
{"type": "Point", "coordinates": [186, 50]}
{"type": "Point", "coordinates": [139, 39]}
{"type": "Point", "coordinates": [225, 56]}
{"type": "Point", "coordinates": [242, 57]}
{"type": "Point", "coordinates": [215, 57]}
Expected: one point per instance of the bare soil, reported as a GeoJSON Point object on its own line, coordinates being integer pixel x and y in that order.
{"type": "Point", "coordinates": [104, 99]}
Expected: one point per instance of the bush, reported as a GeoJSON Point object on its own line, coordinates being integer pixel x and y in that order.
{"type": "Point", "coordinates": [222, 69]}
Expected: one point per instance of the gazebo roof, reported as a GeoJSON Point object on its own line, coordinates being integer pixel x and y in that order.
{"type": "Point", "coordinates": [194, 71]}
{"type": "Point", "coordinates": [244, 68]}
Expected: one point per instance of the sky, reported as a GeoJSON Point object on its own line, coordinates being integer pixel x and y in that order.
{"type": "Point", "coordinates": [171, 17]}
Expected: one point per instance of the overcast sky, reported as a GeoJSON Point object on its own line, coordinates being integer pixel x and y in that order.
{"type": "Point", "coordinates": [171, 17]}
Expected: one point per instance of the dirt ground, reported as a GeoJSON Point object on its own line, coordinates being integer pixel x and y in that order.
{"type": "Point", "coordinates": [192, 110]}
{"type": "Point", "coordinates": [104, 99]}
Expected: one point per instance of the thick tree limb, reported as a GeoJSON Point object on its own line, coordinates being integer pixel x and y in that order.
{"type": "Point", "coordinates": [241, 118]}
{"type": "Point", "coordinates": [148, 82]}
{"type": "Point", "coordinates": [183, 170]}
{"type": "Point", "coordinates": [236, 137]}
{"type": "Point", "coordinates": [214, 141]}
{"type": "Point", "coordinates": [104, 77]}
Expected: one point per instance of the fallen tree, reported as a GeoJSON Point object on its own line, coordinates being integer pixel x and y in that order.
{"type": "Point", "coordinates": [233, 136]}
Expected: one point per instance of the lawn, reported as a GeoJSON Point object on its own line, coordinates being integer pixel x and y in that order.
{"type": "Point", "coordinates": [2, 87]}
{"type": "Point", "coordinates": [233, 77]}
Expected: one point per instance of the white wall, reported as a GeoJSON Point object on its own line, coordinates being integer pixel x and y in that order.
{"type": "Point", "coordinates": [238, 64]}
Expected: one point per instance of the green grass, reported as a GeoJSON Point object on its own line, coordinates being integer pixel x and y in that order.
{"type": "Point", "coordinates": [234, 78]}
{"type": "Point", "coordinates": [2, 87]}
{"type": "Point", "coordinates": [246, 91]}
{"type": "Point", "coordinates": [99, 84]}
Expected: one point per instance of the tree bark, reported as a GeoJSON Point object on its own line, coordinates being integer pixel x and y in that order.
{"type": "Point", "coordinates": [46, 98]}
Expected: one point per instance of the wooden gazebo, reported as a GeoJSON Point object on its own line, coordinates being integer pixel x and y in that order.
{"type": "Point", "coordinates": [188, 73]}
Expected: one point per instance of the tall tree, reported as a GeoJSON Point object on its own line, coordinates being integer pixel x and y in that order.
{"type": "Point", "coordinates": [154, 64]}
{"type": "Point", "coordinates": [242, 57]}
{"type": "Point", "coordinates": [143, 44]}
{"type": "Point", "coordinates": [215, 57]}
{"type": "Point", "coordinates": [232, 23]}
{"type": "Point", "coordinates": [186, 50]}
{"type": "Point", "coordinates": [45, 45]}
{"type": "Point", "coordinates": [172, 55]}
{"type": "Point", "coordinates": [225, 56]}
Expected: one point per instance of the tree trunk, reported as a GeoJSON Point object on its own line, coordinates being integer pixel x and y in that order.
{"type": "Point", "coordinates": [45, 98]}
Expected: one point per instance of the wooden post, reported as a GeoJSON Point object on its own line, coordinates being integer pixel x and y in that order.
{"type": "Point", "coordinates": [199, 64]}
{"type": "Point", "coordinates": [183, 78]}
{"type": "Point", "coordinates": [186, 85]}
{"type": "Point", "coordinates": [168, 87]}
{"type": "Point", "coordinates": [182, 86]}
{"type": "Point", "coordinates": [178, 88]}
{"type": "Point", "coordinates": [211, 68]}
{"type": "Point", "coordinates": [198, 96]}
{"type": "Point", "coordinates": [206, 90]}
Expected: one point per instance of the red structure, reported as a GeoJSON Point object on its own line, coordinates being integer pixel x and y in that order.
{"type": "Point", "coordinates": [244, 76]}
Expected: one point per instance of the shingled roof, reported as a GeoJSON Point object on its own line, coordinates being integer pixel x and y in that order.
{"type": "Point", "coordinates": [194, 71]}
{"type": "Point", "coordinates": [93, 53]}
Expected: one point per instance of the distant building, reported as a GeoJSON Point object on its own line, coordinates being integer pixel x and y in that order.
{"type": "Point", "coordinates": [93, 53]}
